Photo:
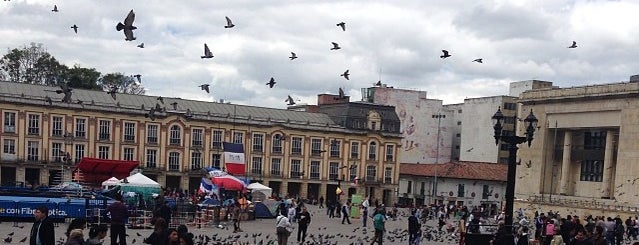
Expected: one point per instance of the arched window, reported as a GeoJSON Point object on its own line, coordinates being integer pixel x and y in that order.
{"type": "Point", "coordinates": [372, 151]}
{"type": "Point", "coordinates": [174, 161]}
{"type": "Point", "coordinates": [175, 137]}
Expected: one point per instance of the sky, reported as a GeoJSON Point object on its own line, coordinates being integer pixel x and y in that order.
{"type": "Point", "coordinates": [397, 42]}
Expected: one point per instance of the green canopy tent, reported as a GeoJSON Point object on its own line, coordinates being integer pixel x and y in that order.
{"type": "Point", "coordinates": [143, 187]}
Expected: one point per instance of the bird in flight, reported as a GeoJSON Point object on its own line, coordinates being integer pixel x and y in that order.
{"type": "Point", "coordinates": [138, 77]}
{"type": "Point", "coordinates": [141, 45]}
{"type": "Point", "coordinates": [55, 8]}
{"type": "Point", "coordinates": [207, 52]}
{"type": "Point", "coordinates": [127, 26]}
{"type": "Point", "coordinates": [335, 46]}
{"type": "Point", "coordinates": [112, 91]}
{"type": "Point", "coordinates": [479, 60]}
{"type": "Point", "coordinates": [345, 75]}
{"type": "Point", "coordinates": [271, 83]}
{"type": "Point", "coordinates": [205, 87]}
{"type": "Point", "coordinates": [75, 28]}
{"type": "Point", "coordinates": [293, 56]}
{"type": "Point", "coordinates": [229, 23]}
{"type": "Point", "coordinates": [445, 55]}
{"type": "Point", "coordinates": [342, 25]}
{"type": "Point", "coordinates": [574, 45]}
{"type": "Point", "coordinates": [290, 100]}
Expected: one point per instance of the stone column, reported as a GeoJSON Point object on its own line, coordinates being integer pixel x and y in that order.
{"type": "Point", "coordinates": [607, 166]}
{"type": "Point", "coordinates": [565, 163]}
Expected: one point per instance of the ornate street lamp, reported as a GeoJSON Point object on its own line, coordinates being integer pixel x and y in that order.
{"type": "Point", "coordinates": [512, 140]}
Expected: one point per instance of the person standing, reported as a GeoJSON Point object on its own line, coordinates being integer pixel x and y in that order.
{"type": "Point", "coordinates": [414, 229]}
{"type": "Point", "coordinates": [321, 202]}
{"type": "Point", "coordinates": [119, 214]}
{"type": "Point", "coordinates": [236, 217]}
{"type": "Point", "coordinates": [303, 222]}
{"type": "Point", "coordinates": [291, 212]}
{"type": "Point", "coordinates": [365, 206]}
{"type": "Point", "coordinates": [461, 228]}
{"type": "Point", "coordinates": [165, 212]}
{"type": "Point", "coordinates": [378, 222]}
{"type": "Point", "coordinates": [283, 229]}
{"type": "Point", "coordinates": [42, 232]}
{"type": "Point", "coordinates": [345, 215]}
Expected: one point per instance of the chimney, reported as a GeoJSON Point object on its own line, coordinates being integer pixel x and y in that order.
{"type": "Point", "coordinates": [634, 78]}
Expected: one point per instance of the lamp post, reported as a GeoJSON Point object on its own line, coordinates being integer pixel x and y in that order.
{"type": "Point", "coordinates": [439, 122]}
{"type": "Point", "coordinates": [512, 141]}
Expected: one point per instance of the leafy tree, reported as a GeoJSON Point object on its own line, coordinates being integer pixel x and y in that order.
{"type": "Point", "coordinates": [31, 64]}
{"type": "Point", "coordinates": [125, 84]}
{"type": "Point", "coordinates": [79, 77]}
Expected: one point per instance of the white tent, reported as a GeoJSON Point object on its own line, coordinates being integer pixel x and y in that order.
{"type": "Point", "coordinates": [138, 180]}
{"type": "Point", "coordinates": [110, 182]}
{"type": "Point", "coordinates": [261, 188]}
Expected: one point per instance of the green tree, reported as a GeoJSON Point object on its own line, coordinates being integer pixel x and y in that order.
{"type": "Point", "coordinates": [79, 77]}
{"type": "Point", "coordinates": [125, 84]}
{"type": "Point", "coordinates": [31, 64]}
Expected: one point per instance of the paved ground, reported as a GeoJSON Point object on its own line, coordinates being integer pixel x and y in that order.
{"type": "Point", "coordinates": [330, 230]}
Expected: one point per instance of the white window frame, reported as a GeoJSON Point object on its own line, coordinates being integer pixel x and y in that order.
{"type": "Point", "coordinates": [277, 145]}
{"type": "Point", "coordinates": [217, 137]}
{"type": "Point", "coordinates": [57, 126]}
{"type": "Point", "coordinates": [196, 160]}
{"type": "Point", "coordinates": [256, 165]}
{"type": "Point", "coordinates": [152, 132]}
{"type": "Point", "coordinates": [372, 150]}
{"type": "Point", "coordinates": [316, 171]}
{"type": "Point", "coordinates": [104, 152]}
{"type": "Point", "coordinates": [9, 122]}
{"type": "Point", "coordinates": [9, 146]}
{"type": "Point", "coordinates": [33, 124]}
{"type": "Point", "coordinates": [104, 129]}
{"type": "Point", "coordinates": [80, 128]}
{"type": "Point", "coordinates": [333, 170]}
{"type": "Point", "coordinates": [128, 153]}
{"type": "Point", "coordinates": [276, 166]}
{"type": "Point", "coordinates": [197, 137]}
{"type": "Point", "coordinates": [335, 146]}
{"type": "Point", "coordinates": [296, 168]}
{"type": "Point", "coordinates": [354, 152]}
{"type": "Point", "coordinates": [79, 152]}
{"type": "Point", "coordinates": [174, 161]}
{"type": "Point", "coordinates": [216, 160]}
{"type": "Point", "coordinates": [238, 137]}
{"type": "Point", "coordinates": [129, 131]}
{"type": "Point", "coordinates": [371, 173]}
{"type": "Point", "coordinates": [56, 151]}
{"type": "Point", "coordinates": [296, 145]}
{"type": "Point", "coordinates": [316, 146]}
{"type": "Point", "coordinates": [175, 135]}
{"type": "Point", "coordinates": [33, 150]}
{"type": "Point", "coordinates": [390, 153]}
{"type": "Point", "coordinates": [258, 142]}
{"type": "Point", "coordinates": [151, 158]}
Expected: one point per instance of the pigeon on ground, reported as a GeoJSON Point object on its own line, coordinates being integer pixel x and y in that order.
{"type": "Point", "coordinates": [479, 60]}
{"type": "Point", "coordinates": [290, 100]}
{"type": "Point", "coordinates": [207, 52]}
{"type": "Point", "coordinates": [11, 234]}
{"type": "Point", "coordinates": [112, 91]}
{"type": "Point", "coordinates": [293, 56]}
{"type": "Point", "coordinates": [229, 23]}
{"type": "Point", "coordinates": [48, 100]}
{"type": "Point", "coordinates": [66, 90]}
{"type": "Point", "coordinates": [8, 239]}
{"type": "Point", "coordinates": [138, 77]}
{"type": "Point", "coordinates": [445, 55]}
{"type": "Point", "coordinates": [378, 83]}
{"type": "Point", "coordinates": [335, 46]}
{"type": "Point", "coordinates": [127, 26]}
{"type": "Point", "coordinates": [271, 83]}
{"type": "Point", "coordinates": [55, 8]}
{"type": "Point", "coordinates": [23, 239]}
{"type": "Point", "coordinates": [574, 45]}
{"type": "Point", "coordinates": [141, 45]}
{"type": "Point", "coordinates": [342, 25]}
{"type": "Point", "coordinates": [345, 75]}
{"type": "Point", "coordinates": [75, 28]}
{"type": "Point", "coordinates": [205, 87]}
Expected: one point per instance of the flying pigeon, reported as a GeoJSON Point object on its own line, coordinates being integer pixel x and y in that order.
{"type": "Point", "coordinates": [141, 45]}
{"type": "Point", "coordinates": [446, 55]}
{"type": "Point", "coordinates": [293, 56]}
{"type": "Point", "coordinates": [345, 75]}
{"type": "Point", "coordinates": [75, 28]}
{"type": "Point", "coordinates": [479, 60]}
{"type": "Point", "coordinates": [271, 83]}
{"type": "Point", "coordinates": [207, 52]}
{"type": "Point", "coordinates": [229, 23]}
{"type": "Point", "coordinates": [574, 45]}
{"type": "Point", "coordinates": [342, 25]}
{"type": "Point", "coordinates": [138, 77]}
{"type": "Point", "coordinates": [378, 83]}
{"type": "Point", "coordinates": [66, 90]}
{"type": "Point", "coordinates": [205, 87]}
{"type": "Point", "coordinates": [127, 26]}
{"type": "Point", "coordinates": [290, 100]}
{"type": "Point", "coordinates": [112, 91]}
{"type": "Point", "coordinates": [55, 8]}
{"type": "Point", "coordinates": [335, 46]}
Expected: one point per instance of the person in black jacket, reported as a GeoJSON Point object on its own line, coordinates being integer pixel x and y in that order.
{"type": "Point", "coordinates": [414, 228]}
{"type": "Point", "coordinates": [42, 232]}
{"type": "Point", "coordinates": [303, 222]}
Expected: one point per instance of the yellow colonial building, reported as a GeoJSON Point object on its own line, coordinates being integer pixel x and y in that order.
{"type": "Point", "coordinates": [306, 152]}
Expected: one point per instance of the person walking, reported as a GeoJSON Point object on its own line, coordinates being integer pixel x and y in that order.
{"type": "Point", "coordinates": [119, 214]}
{"type": "Point", "coordinates": [461, 228]}
{"type": "Point", "coordinates": [365, 206]}
{"type": "Point", "coordinates": [42, 232]}
{"type": "Point", "coordinates": [414, 229]}
{"type": "Point", "coordinates": [302, 225]}
{"type": "Point", "coordinates": [283, 229]}
{"type": "Point", "coordinates": [321, 202]}
{"type": "Point", "coordinates": [345, 215]}
{"type": "Point", "coordinates": [378, 222]}
{"type": "Point", "coordinates": [291, 212]}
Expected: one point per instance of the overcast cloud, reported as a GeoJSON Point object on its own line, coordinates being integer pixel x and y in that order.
{"type": "Point", "coordinates": [397, 41]}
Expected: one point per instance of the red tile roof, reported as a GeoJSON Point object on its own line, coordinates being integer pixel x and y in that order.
{"type": "Point", "coordinates": [458, 170]}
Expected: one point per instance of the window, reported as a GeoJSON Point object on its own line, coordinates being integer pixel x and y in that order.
{"type": "Point", "coordinates": [238, 138]}
{"type": "Point", "coordinates": [276, 164]}
{"type": "Point", "coordinates": [103, 152]}
{"type": "Point", "coordinates": [296, 168]}
{"type": "Point", "coordinates": [256, 165]}
{"type": "Point", "coordinates": [458, 122]}
{"type": "Point", "coordinates": [373, 125]}
{"type": "Point", "coordinates": [196, 137]}
{"type": "Point", "coordinates": [152, 134]}
{"type": "Point", "coordinates": [277, 144]}
{"type": "Point", "coordinates": [460, 190]}
{"type": "Point", "coordinates": [128, 154]}
{"type": "Point", "coordinates": [355, 150]}
{"type": "Point", "coordinates": [196, 160]}
{"type": "Point", "coordinates": [485, 193]}
{"type": "Point", "coordinates": [409, 187]}
{"type": "Point", "coordinates": [388, 176]}
{"type": "Point", "coordinates": [296, 145]}
{"type": "Point", "coordinates": [216, 160]}
{"type": "Point", "coordinates": [422, 189]}
{"type": "Point", "coordinates": [174, 161]}
{"type": "Point", "coordinates": [81, 128]}
{"type": "Point", "coordinates": [57, 126]}
{"type": "Point", "coordinates": [34, 124]}
{"type": "Point", "coordinates": [459, 111]}
{"type": "Point", "coordinates": [333, 171]}
{"type": "Point", "coordinates": [129, 132]}
{"type": "Point", "coordinates": [151, 158]}
{"type": "Point", "coordinates": [458, 135]}
{"type": "Point", "coordinates": [56, 152]}
{"type": "Point", "coordinates": [258, 142]}
{"type": "Point", "coordinates": [371, 173]}
{"type": "Point", "coordinates": [9, 122]}
{"type": "Point", "coordinates": [175, 135]}
{"type": "Point", "coordinates": [104, 130]}
{"type": "Point", "coordinates": [390, 153]}
{"type": "Point", "coordinates": [510, 106]}
{"type": "Point", "coordinates": [217, 136]}
{"type": "Point", "coordinates": [595, 140]}
{"type": "Point", "coordinates": [352, 172]}
{"type": "Point", "coordinates": [9, 146]}
{"type": "Point", "coordinates": [79, 152]}
{"type": "Point", "coordinates": [316, 147]}
{"type": "Point", "coordinates": [33, 150]}
{"type": "Point", "coordinates": [315, 170]}
{"type": "Point", "coordinates": [372, 151]}
{"type": "Point", "coordinates": [336, 145]}
{"type": "Point", "coordinates": [591, 170]}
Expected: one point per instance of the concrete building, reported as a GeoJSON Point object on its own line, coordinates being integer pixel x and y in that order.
{"type": "Point", "coordinates": [294, 152]}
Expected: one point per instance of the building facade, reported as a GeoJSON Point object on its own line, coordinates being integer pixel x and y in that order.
{"type": "Point", "coordinates": [293, 152]}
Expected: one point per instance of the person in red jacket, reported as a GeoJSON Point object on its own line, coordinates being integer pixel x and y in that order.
{"type": "Point", "coordinates": [119, 213]}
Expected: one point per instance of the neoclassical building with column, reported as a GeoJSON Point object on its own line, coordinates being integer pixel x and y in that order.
{"type": "Point", "coordinates": [583, 159]}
